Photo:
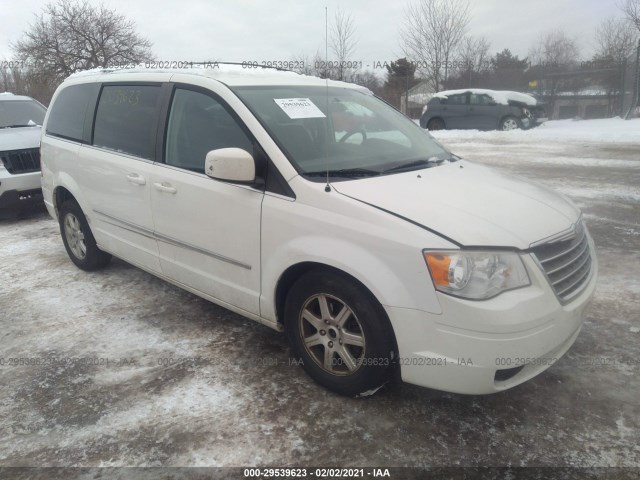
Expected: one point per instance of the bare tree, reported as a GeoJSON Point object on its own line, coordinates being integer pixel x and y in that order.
{"type": "Point", "coordinates": [302, 64]}
{"type": "Point", "coordinates": [616, 39]}
{"type": "Point", "coordinates": [69, 36]}
{"type": "Point", "coordinates": [367, 79]}
{"type": "Point", "coordinates": [21, 79]}
{"type": "Point", "coordinates": [431, 33]}
{"type": "Point", "coordinates": [472, 59]}
{"type": "Point", "coordinates": [343, 43]}
{"type": "Point", "coordinates": [631, 9]}
{"type": "Point", "coordinates": [555, 49]}
{"type": "Point", "coordinates": [554, 55]}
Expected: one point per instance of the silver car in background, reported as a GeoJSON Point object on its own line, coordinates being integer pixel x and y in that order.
{"type": "Point", "coordinates": [20, 129]}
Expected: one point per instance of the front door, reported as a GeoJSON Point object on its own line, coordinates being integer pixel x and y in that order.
{"type": "Point", "coordinates": [208, 231]}
{"type": "Point", "coordinates": [483, 112]}
{"type": "Point", "coordinates": [455, 111]}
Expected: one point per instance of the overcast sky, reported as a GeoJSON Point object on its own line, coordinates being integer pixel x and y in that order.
{"type": "Point", "coordinates": [242, 30]}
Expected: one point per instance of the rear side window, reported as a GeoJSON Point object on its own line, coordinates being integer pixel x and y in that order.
{"type": "Point", "coordinates": [455, 99]}
{"type": "Point", "coordinates": [127, 118]}
{"type": "Point", "coordinates": [480, 99]}
{"type": "Point", "coordinates": [67, 116]}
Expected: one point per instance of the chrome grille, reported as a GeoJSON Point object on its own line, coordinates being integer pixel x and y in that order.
{"type": "Point", "coordinates": [21, 161]}
{"type": "Point", "coordinates": [567, 263]}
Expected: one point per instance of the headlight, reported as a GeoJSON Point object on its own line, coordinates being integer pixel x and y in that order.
{"type": "Point", "coordinates": [476, 275]}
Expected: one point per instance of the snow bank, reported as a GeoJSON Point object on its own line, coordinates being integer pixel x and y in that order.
{"type": "Point", "coordinates": [500, 96]}
{"type": "Point", "coordinates": [608, 130]}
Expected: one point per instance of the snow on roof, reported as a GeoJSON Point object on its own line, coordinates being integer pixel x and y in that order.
{"type": "Point", "coordinates": [229, 74]}
{"type": "Point", "coordinates": [421, 98]}
{"type": "Point", "coordinates": [502, 97]}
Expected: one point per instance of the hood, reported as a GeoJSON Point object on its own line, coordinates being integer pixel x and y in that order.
{"type": "Point", "coordinates": [20, 138]}
{"type": "Point", "coordinates": [469, 203]}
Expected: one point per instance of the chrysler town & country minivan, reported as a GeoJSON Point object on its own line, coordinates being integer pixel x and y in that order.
{"type": "Point", "coordinates": [315, 208]}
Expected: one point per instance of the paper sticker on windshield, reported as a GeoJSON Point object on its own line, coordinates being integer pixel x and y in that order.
{"type": "Point", "coordinates": [299, 108]}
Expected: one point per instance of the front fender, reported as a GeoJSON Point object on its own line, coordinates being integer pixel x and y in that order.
{"type": "Point", "coordinates": [383, 252]}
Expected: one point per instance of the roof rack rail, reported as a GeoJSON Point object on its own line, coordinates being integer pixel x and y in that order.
{"type": "Point", "coordinates": [244, 64]}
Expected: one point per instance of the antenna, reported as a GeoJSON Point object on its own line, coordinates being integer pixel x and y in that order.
{"type": "Point", "coordinates": [327, 187]}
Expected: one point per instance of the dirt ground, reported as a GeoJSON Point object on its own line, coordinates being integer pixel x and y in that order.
{"type": "Point", "coordinates": [118, 368]}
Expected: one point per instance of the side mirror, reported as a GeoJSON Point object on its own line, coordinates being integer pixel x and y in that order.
{"type": "Point", "coordinates": [230, 165]}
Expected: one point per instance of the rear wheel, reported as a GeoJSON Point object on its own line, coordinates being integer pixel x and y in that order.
{"type": "Point", "coordinates": [436, 124]}
{"type": "Point", "coordinates": [341, 333]}
{"type": "Point", "coordinates": [78, 239]}
{"type": "Point", "coordinates": [509, 123]}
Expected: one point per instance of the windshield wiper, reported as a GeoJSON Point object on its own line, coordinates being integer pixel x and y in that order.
{"type": "Point", "coordinates": [345, 172]}
{"type": "Point", "coordinates": [415, 165]}
{"type": "Point", "coordinates": [19, 126]}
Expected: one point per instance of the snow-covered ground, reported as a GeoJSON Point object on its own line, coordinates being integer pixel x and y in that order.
{"type": "Point", "coordinates": [562, 153]}
{"type": "Point", "coordinates": [133, 371]}
{"type": "Point", "coordinates": [605, 131]}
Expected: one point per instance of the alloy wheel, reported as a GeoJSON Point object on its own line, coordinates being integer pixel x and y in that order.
{"type": "Point", "coordinates": [75, 236]}
{"type": "Point", "coordinates": [510, 124]}
{"type": "Point", "coordinates": [332, 334]}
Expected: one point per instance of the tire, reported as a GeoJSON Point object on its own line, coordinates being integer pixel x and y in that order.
{"type": "Point", "coordinates": [436, 124]}
{"type": "Point", "coordinates": [352, 351]}
{"type": "Point", "coordinates": [78, 239]}
{"type": "Point", "coordinates": [509, 123]}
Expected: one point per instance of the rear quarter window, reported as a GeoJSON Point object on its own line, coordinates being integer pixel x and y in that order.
{"type": "Point", "coordinates": [69, 110]}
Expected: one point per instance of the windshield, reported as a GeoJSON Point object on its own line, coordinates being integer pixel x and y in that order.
{"type": "Point", "coordinates": [21, 113]}
{"type": "Point", "coordinates": [361, 136]}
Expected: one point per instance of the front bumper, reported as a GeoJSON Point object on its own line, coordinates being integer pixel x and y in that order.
{"type": "Point", "coordinates": [488, 346]}
{"type": "Point", "coordinates": [19, 191]}
{"type": "Point", "coordinates": [15, 200]}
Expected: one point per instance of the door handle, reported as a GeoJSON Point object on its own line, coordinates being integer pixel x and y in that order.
{"type": "Point", "coordinates": [137, 179]}
{"type": "Point", "coordinates": [165, 187]}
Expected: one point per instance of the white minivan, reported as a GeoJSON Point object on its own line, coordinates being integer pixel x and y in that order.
{"type": "Point", "coordinates": [315, 208]}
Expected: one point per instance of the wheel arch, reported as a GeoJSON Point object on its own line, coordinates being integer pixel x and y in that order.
{"type": "Point", "coordinates": [66, 188]}
{"type": "Point", "coordinates": [296, 271]}
{"type": "Point", "coordinates": [60, 195]}
{"type": "Point", "coordinates": [444, 124]}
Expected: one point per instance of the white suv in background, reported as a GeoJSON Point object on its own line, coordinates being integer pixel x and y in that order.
{"type": "Point", "coordinates": [315, 208]}
{"type": "Point", "coordinates": [20, 130]}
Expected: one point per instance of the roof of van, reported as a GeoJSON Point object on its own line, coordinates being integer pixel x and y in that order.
{"type": "Point", "coordinates": [229, 74]}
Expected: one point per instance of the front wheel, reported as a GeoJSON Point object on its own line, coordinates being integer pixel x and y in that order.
{"type": "Point", "coordinates": [78, 239]}
{"type": "Point", "coordinates": [341, 334]}
{"type": "Point", "coordinates": [509, 123]}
